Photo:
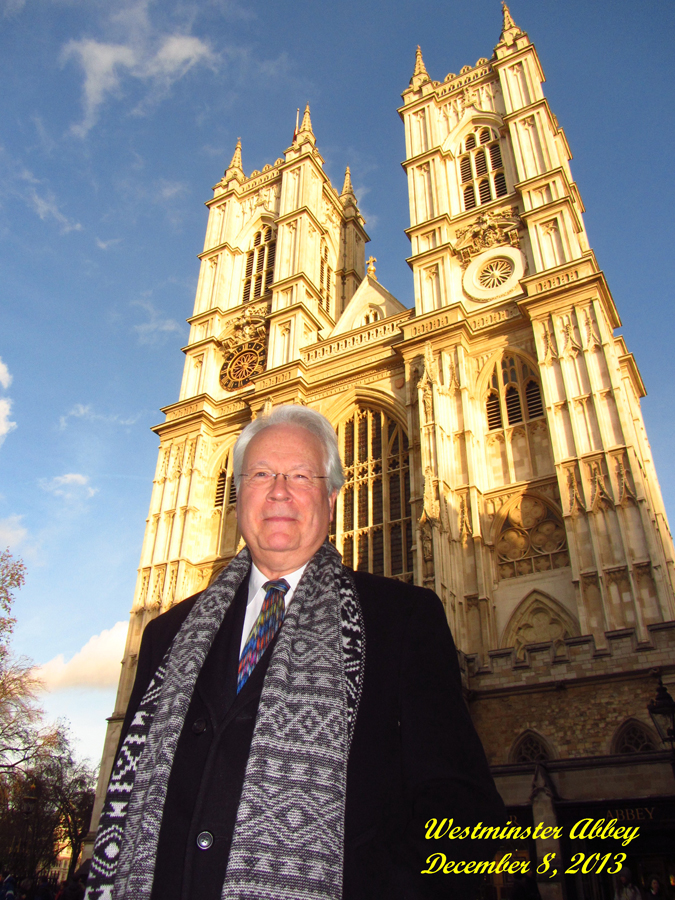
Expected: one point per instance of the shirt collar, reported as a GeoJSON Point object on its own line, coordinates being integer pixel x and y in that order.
{"type": "Point", "coordinates": [257, 580]}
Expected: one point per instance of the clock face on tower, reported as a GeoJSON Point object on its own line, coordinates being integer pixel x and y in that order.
{"type": "Point", "coordinates": [244, 347]}
{"type": "Point", "coordinates": [242, 364]}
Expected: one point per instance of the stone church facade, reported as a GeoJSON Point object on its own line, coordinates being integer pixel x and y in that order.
{"type": "Point", "coordinates": [492, 436]}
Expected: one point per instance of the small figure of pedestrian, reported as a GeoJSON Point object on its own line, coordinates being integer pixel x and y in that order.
{"type": "Point", "coordinates": [655, 890]}
{"type": "Point", "coordinates": [625, 889]}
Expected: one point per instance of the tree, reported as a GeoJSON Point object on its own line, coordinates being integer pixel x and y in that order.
{"type": "Point", "coordinates": [12, 577]}
{"type": "Point", "coordinates": [72, 787]}
{"type": "Point", "coordinates": [23, 739]}
{"type": "Point", "coordinates": [46, 794]}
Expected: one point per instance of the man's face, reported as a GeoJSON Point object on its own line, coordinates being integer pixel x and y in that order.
{"type": "Point", "coordinates": [284, 526]}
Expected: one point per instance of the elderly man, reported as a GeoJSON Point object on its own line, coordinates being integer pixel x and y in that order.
{"type": "Point", "coordinates": [303, 761]}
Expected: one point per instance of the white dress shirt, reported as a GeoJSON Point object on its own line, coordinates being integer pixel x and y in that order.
{"type": "Point", "coordinates": [256, 595]}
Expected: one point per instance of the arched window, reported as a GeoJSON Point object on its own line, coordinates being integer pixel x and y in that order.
{"type": "Point", "coordinates": [514, 394]}
{"type": "Point", "coordinates": [481, 169]}
{"type": "Point", "coordinates": [325, 279]}
{"type": "Point", "coordinates": [259, 272]}
{"type": "Point", "coordinates": [530, 748]}
{"type": "Point", "coordinates": [373, 526]}
{"type": "Point", "coordinates": [633, 737]}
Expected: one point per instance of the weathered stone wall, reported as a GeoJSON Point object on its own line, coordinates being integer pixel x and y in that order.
{"type": "Point", "coordinates": [576, 701]}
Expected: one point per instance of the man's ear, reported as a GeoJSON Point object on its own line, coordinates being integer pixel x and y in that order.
{"type": "Point", "coordinates": [332, 499]}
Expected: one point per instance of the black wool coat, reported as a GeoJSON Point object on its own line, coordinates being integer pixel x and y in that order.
{"type": "Point", "coordinates": [415, 754]}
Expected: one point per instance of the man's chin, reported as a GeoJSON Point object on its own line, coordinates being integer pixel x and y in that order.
{"type": "Point", "coordinates": [279, 542]}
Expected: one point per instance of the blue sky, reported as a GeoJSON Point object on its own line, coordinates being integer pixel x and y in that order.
{"type": "Point", "coordinates": [116, 118]}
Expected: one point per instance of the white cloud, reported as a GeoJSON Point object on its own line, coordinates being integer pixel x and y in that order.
{"type": "Point", "coordinates": [150, 332]}
{"type": "Point", "coordinates": [157, 60]}
{"type": "Point", "coordinates": [80, 411]}
{"type": "Point", "coordinates": [5, 425]}
{"type": "Point", "coordinates": [71, 486]}
{"type": "Point", "coordinates": [170, 189]}
{"type": "Point", "coordinates": [96, 665]}
{"type": "Point", "coordinates": [12, 532]}
{"type": "Point", "coordinates": [101, 63]}
{"type": "Point", "coordinates": [18, 181]}
{"type": "Point", "coordinates": [5, 377]}
{"type": "Point", "coordinates": [12, 7]}
{"type": "Point", "coordinates": [105, 245]}
{"type": "Point", "coordinates": [45, 205]}
{"type": "Point", "coordinates": [177, 54]}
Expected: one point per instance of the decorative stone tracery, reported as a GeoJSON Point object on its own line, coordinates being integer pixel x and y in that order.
{"type": "Point", "coordinates": [532, 539]}
{"type": "Point", "coordinates": [539, 619]}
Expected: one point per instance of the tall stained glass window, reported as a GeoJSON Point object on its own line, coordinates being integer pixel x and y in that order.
{"type": "Point", "coordinates": [373, 524]}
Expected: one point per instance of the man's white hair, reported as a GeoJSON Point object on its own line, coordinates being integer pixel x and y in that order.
{"type": "Point", "coordinates": [301, 417]}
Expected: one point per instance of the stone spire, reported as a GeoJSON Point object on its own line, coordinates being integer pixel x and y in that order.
{"type": "Point", "coordinates": [235, 170]}
{"type": "Point", "coordinates": [306, 132]}
{"type": "Point", "coordinates": [420, 75]}
{"type": "Point", "coordinates": [509, 28]}
{"type": "Point", "coordinates": [420, 68]}
{"type": "Point", "coordinates": [347, 189]}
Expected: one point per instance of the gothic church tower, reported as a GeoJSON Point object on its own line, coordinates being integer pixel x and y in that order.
{"type": "Point", "coordinates": [531, 438]}
{"type": "Point", "coordinates": [492, 436]}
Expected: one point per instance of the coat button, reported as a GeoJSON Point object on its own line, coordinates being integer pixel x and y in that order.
{"type": "Point", "coordinates": [199, 726]}
{"type": "Point", "coordinates": [204, 840]}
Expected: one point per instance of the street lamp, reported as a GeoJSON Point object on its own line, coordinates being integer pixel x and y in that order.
{"type": "Point", "coordinates": [662, 712]}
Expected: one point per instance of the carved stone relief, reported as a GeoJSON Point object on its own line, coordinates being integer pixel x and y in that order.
{"type": "Point", "coordinates": [599, 494]}
{"type": "Point", "coordinates": [489, 229]}
{"type": "Point", "coordinates": [550, 349]}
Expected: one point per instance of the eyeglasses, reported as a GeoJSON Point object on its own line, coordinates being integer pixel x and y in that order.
{"type": "Point", "coordinates": [297, 481]}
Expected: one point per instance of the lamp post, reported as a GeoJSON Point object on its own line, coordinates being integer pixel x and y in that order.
{"type": "Point", "coordinates": [662, 712]}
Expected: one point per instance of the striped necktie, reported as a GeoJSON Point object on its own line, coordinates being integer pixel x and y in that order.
{"type": "Point", "coordinates": [264, 628]}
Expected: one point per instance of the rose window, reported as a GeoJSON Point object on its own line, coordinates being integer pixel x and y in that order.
{"type": "Point", "coordinates": [532, 540]}
{"type": "Point", "coordinates": [495, 273]}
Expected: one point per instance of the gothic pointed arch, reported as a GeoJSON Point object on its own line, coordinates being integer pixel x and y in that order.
{"type": "Point", "coordinates": [221, 488]}
{"type": "Point", "coordinates": [372, 526]}
{"type": "Point", "coordinates": [342, 405]}
{"type": "Point", "coordinates": [259, 264]}
{"type": "Point", "coordinates": [472, 118]}
{"type": "Point", "coordinates": [480, 166]}
{"type": "Point", "coordinates": [633, 736]}
{"type": "Point", "coordinates": [256, 223]}
{"type": "Point", "coordinates": [530, 747]}
{"type": "Point", "coordinates": [510, 381]}
{"type": "Point", "coordinates": [539, 619]}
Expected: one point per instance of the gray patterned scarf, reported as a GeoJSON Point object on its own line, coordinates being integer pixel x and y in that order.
{"type": "Point", "coordinates": [288, 839]}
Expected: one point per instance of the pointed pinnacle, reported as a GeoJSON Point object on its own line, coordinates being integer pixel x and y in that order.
{"type": "Point", "coordinates": [306, 121]}
{"type": "Point", "coordinates": [420, 68]}
{"type": "Point", "coordinates": [347, 188]}
{"type": "Point", "coordinates": [236, 158]}
{"type": "Point", "coordinates": [509, 29]}
{"type": "Point", "coordinates": [508, 18]}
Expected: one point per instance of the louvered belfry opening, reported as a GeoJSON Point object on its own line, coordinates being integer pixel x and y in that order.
{"type": "Point", "coordinates": [226, 489]}
{"type": "Point", "coordinates": [373, 529]}
{"type": "Point", "coordinates": [514, 394]}
{"type": "Point", "coordinates": [220, 489]}
{"type": "Point", "coordinates": [481, 168]}
{"type": "Point", "coordinates": [259, 269]}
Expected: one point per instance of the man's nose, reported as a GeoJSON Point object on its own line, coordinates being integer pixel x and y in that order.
{"type": "Point", "coordinates": [279, 490]}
